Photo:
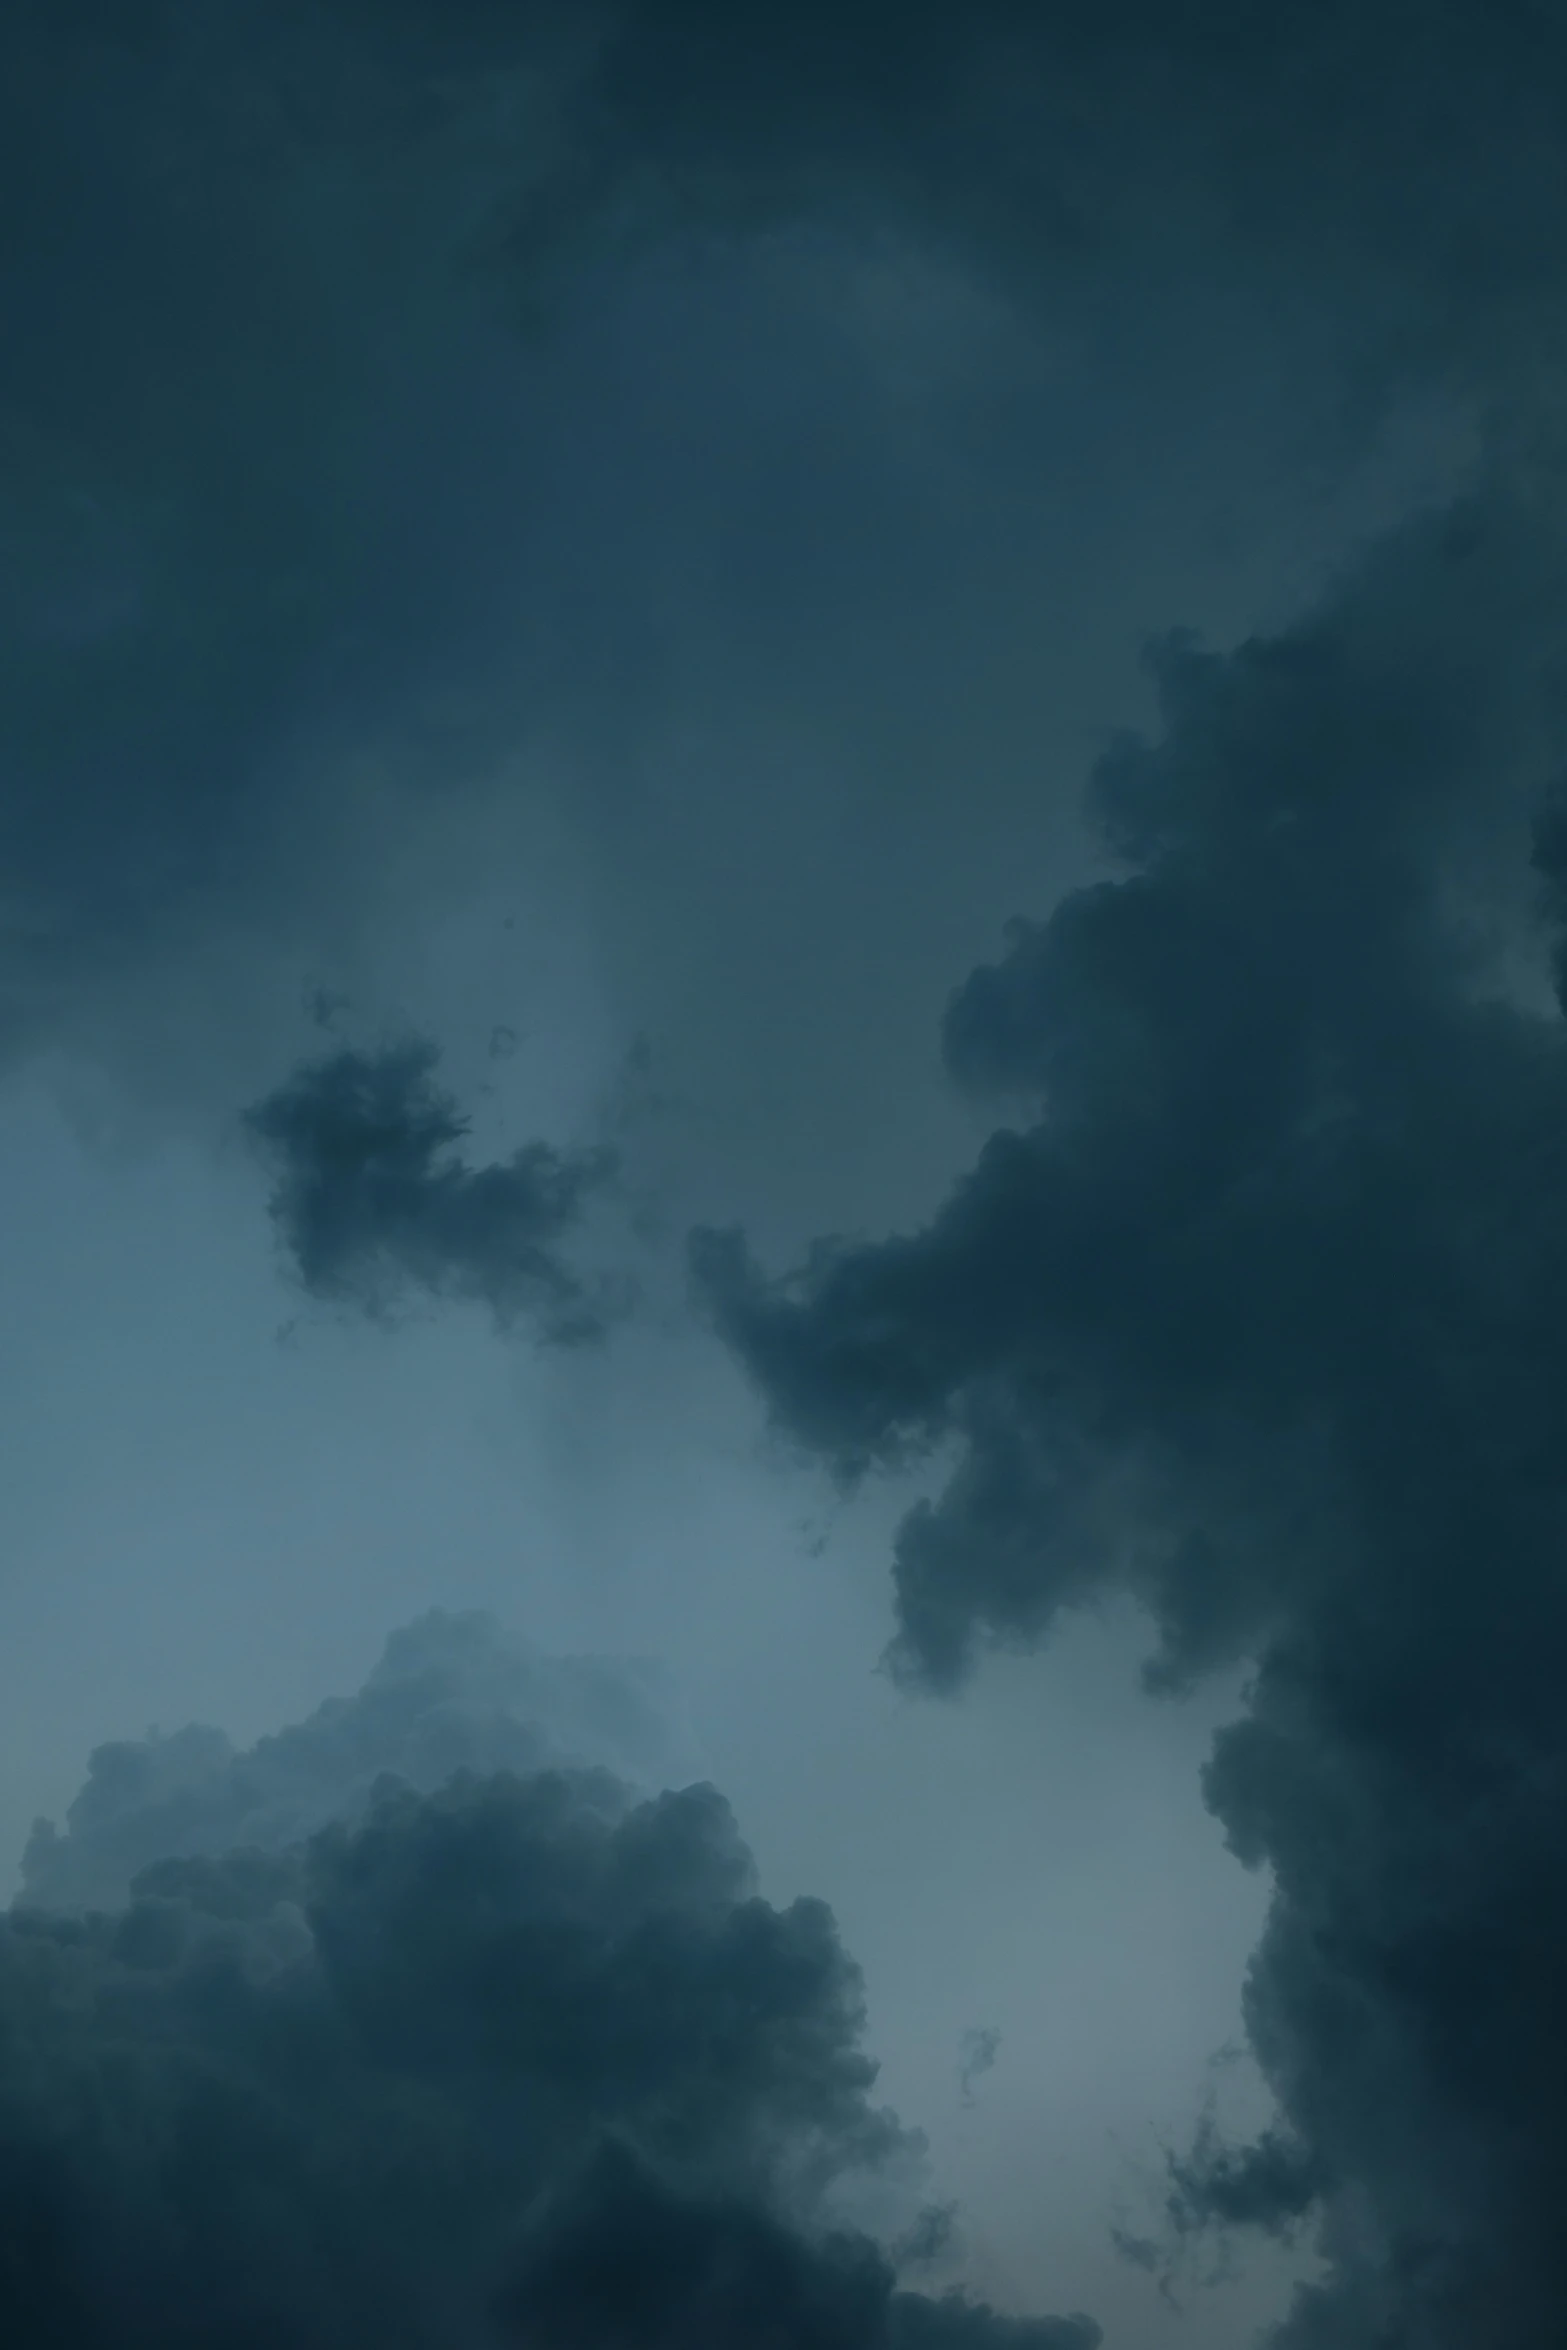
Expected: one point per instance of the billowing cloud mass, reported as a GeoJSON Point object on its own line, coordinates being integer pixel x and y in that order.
{"type": "Point", "coordinates": [625, 2262]}
{"type": "Point", "coordinates": [342, 479]}
{"type": "Point", "coordinates": [1409, 160]}
{"type": "Point", "coordinates": [372, 1198]}
{"type": "Point", "coordinates": [1258, 1311]}
{"type": "Point", "coordinates": [451, 1693]}
{"type": "Point", "coordinates": [503, 2056]}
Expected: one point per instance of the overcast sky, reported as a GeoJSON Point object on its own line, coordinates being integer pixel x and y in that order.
{"type": "Point", "coordinates": [565, 573]}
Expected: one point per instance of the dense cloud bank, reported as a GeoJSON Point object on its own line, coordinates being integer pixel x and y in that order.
{"type": "Point", "coordinates": [298, 530]}
{"type": "Point", "coordinates": [1258, 1310]}
{"type": "Point", "coordinates": [501, 2056]}
{"type": "Point", "coordinates": [1407, 161]}
{"type": "Point", "coordinates": [722, 2272]}
{"type": "Point", "coordinates": [372, 1198]}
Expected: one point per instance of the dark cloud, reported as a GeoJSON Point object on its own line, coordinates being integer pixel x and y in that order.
{"type": "Point", "coordinates": [450, 1693]}
{"type": "Point", "coordinates": [1258, 1311]}
{"type": "Point", "coordinates": [304, 516]}
{"type": "Point", "coordinates": [372, 1199]}
{"type": "Point", "coordinates": [212, 581]}
{"type": "Point", "coordinates": [1407, 160]}
{"type": "Point", "coordinates": [622, 2262]}
{"type": "Point", "coordinates": [304, 519]}
{"type": "Point", "coordinates": [1271, 2184]}
{"type": "Point", "coordinates": [520, 2059]}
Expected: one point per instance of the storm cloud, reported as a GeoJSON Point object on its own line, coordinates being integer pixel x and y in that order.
{"type": "Point", "coordinates": [421, 423]}
{"type": "Point", "coordinates": [1257, 1311]}
{"type": "Point", "coordinates": [524, 2058]}
{"type": "Point", "coordinates": [450, 1693]}
{"type": "Point", "coordinates": [372, 1199]}
{"type": "Point", "coordinates": [724, 2273]}
{"type": "Point", "coordinates": [305, 489]}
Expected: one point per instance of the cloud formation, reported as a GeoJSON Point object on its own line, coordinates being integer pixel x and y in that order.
{"type": "Point", "coordinates": [1052, 144]}
{"type": "Point", "coordinates": [522, 2058]}
{"type": "Point", "coordinates": [1261, 1317]}
{"type": "Point", "coordinates": [451, 1692]}
{"type": "Point", "coordinates": [294, 534]}
{"type": "Point", "coordinates": [976, 2056]}
{"type": "Point", "coordinates": [372, 1199]}
{"type": "Point", "coordinates": [1257, 1311]}
{"type": "Point", "coordinates": [724, 2273]}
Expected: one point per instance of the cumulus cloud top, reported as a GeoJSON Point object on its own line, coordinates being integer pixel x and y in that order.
{"type": "Point", "coordinates": [489, 2056]}
{"type": "Point", "coordinates": [451, 1692]}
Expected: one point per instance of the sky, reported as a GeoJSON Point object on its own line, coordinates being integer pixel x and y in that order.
{"type": "Point", "coordinates": [780, 990]}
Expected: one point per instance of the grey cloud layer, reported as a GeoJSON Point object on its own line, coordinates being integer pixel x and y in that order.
{"type": "Point", "coordinates": [521, 2058]}
{"type": "Point", "coordinates": [1259, 1312]}
{"type": "Point", "coordinates": [295, 532]}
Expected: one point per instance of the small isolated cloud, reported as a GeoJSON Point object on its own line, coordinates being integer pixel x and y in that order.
{"type": "Point", "coordinates": [1271, 2185]}
{"type": "Point", "coordinates": [976, 2057]}
{"type": "Point", "coordinates": [372, 1198]}
{"type": "Point", "coordinates": [1138, 2251]}
{"type": "Point", "coordinates": [931, 2237]}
